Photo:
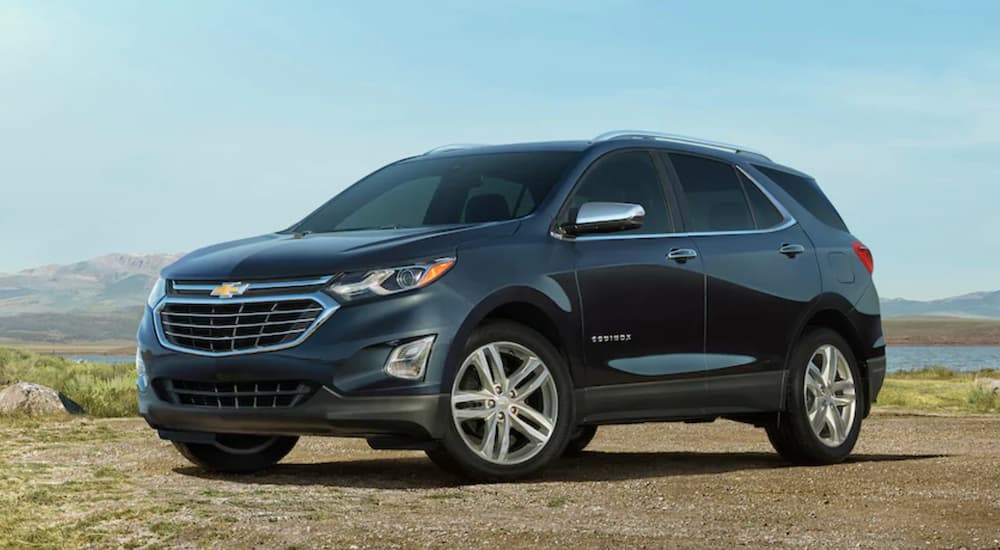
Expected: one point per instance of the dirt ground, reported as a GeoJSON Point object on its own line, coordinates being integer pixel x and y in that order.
{"type": "Point", "coordinates": [915, 481]}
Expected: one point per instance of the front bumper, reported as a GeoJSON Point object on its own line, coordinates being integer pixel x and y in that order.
{"type": "Point", "coordinates": [342, 361]}
{"type": "Point", "coordinates": [325, 413]}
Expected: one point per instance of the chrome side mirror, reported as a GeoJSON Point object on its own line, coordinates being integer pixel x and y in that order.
{"type": "Point", "coordinates": [605, 217]}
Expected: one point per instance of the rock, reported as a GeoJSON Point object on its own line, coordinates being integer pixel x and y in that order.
{"type": "Point", "coordinates": [989, 384]}
{"type": "Point", "coordinates": [35, 399]}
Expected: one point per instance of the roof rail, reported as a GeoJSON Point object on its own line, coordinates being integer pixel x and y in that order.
{"type": "Point", "coordinates": [453, 147]}
{"type": "Point", "coordinates": [674, 138]}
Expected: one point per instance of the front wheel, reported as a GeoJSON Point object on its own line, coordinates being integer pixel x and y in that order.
{"type": "Point", "coordinates": [511, 410]}
{"type": "Point", "coordinates": [822, 417]}
{"type": "Point", "coordinates": [237, 454]}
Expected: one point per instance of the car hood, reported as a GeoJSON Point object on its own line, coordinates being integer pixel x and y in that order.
{"type": "Point", "coordinates": [288, 256]}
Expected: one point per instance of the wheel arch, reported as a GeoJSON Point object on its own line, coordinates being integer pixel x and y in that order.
{"type": "Point", "coordinates": [832, 315]}
{"type": "Point", "coordinates": [529, 307]}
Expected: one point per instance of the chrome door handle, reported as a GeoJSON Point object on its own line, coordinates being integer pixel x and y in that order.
{"type": "Point", "coordinates": [791, 250]}
{"type": "Point", "coordinates": [681, 255]}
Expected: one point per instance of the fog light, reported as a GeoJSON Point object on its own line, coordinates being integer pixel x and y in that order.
{"type": "Point", "coordinates": [140, 371]}
{"type": "Point", "coordinates": [410, 359]}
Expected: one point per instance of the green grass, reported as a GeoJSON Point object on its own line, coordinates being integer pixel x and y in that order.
{"type": "Point", "coordinates": [938, 389]}
{"type": "Point", "coordinates": [102, 389]}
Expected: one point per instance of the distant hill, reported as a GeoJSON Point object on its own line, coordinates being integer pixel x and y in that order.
{"type": "Point", "coordinates": [97, 300]}
{"type": "Point", "coordinates": [983, 305]}
{"type": "Point", "coordinates": [99, 285]}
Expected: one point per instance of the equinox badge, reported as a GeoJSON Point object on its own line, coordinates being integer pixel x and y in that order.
{"type": "Point", "coordinates": [228, 290]}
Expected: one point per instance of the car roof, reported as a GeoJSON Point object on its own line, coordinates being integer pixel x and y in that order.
{"type": "Point", "coordinates": [583, 145]}
{"type": "Point", "coordinates": [729, 153]}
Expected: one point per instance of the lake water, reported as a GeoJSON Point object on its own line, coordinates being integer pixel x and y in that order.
{"type": "Point", "coordinates": [963, 358]}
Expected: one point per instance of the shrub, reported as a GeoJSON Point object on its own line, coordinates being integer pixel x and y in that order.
{"type": "Point", "coordinates": [102, 389]}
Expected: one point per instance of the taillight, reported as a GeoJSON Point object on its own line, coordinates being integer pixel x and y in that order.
{"type": "Point", "coordinates": [865, 255]}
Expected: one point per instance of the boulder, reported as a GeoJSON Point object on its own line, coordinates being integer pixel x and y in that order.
{"type": "Point", "coordinates": [29, 398]}
{"type": "Point", "coordinates": [989, 384]}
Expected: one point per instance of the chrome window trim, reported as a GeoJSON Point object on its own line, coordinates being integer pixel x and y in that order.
{"type": "Point", "coordinates": [787, 221]}
{"type": "Point", "coordinates": [262, 285]}
{"type": "Point", "coordinates": [329, 307]}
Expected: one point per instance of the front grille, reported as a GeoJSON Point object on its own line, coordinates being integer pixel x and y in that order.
{"type": "Point", "coordinates": [239, 326]}
{"type": "Point", "coordinates": [234, 395]}
{"type": "Point", "coordinates": [253, 288]}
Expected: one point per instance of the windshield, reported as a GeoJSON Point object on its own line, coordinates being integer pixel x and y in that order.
{"type": "Point", "coordinates": [443, 191]}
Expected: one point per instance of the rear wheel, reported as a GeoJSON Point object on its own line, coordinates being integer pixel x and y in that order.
{"type": "Point", "coordinates": [238, 454]}
{"type": "Point", "coordinates": [511, 407]}
{"type": "Point", "coordinates": [822, 418]}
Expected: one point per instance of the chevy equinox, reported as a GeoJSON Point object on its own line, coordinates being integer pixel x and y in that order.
{"type": "Point", "coordinates": [493, 305]}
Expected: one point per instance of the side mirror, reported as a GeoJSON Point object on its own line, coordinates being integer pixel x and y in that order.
{"type": "Point", "coordinates": [605, 217]}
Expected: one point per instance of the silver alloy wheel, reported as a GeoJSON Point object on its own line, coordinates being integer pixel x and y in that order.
{"type": "Point", "coordinates": [831, 404]}
{"type": "Point", "coordinates": [504, 403]}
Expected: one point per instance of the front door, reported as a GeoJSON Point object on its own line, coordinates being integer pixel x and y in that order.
{"type": "Point", "coordinates": [643, 313]}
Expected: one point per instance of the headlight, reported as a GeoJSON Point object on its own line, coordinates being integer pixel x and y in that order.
{"type": "Point", "coordinates": [157, 294]}
{"type": "Point", "coordinates": [382, 282]}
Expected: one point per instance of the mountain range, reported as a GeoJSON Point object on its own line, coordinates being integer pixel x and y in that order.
{"type": "Point", "coordinates": [102, 284]}
{"type": "Point", "coordinates": [102, 299]}
{"type": "Point", "coordinates": [984, 305]}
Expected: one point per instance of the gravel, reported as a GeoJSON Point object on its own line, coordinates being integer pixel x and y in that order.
{"type": "Point", "coordinates": [927, 481]}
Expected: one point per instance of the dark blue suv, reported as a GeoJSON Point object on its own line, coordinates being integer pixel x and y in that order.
{"type": "Point", "coordinates": [493, 305]}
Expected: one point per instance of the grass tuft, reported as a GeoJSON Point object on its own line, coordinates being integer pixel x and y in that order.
{"type": "Point", "coordinates": [939, 389]}
{"type": "Point", "coordinates": [102, 389]}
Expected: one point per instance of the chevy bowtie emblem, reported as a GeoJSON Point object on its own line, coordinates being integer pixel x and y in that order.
{"type": "Point", "coordinates": [228, 290]}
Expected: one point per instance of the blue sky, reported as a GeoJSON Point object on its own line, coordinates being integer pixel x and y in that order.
{"type": "Point", "coordinates": [161, 127]}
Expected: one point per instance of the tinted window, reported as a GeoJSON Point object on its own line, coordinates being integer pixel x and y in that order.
{"type": "Point", "coordinates": [763, 210]}
{"type": "Point", "coordinates": [806, 192]}
{"type": "Point", "coordinates": [519, 201]}
{"type": "Point", "coordinates": [403, 205]}
{"type": "Point", "coordinates": [626, 177]}
{"type": "Point", "coordinates": [714, 195]}
{"type": "Point", "coordinates": [443, 191]}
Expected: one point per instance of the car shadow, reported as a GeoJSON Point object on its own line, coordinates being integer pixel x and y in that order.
{"type": "Point", "coordinates": [418, 472]}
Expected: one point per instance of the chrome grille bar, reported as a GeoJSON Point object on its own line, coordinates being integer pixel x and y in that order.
{"type": "Point", "coordinates": [252, 324]}
{"type": "Point", "coordinates": [260, 313]}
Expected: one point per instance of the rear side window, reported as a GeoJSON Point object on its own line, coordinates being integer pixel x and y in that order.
{"type": "Point", "coordinates": [806, 192]}
{"type": "Point", "coordinates": [764, 212]}
{"type": "Point", "coordinates": [714, 195]}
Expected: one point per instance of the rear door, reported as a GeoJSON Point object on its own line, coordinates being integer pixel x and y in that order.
{"type": "Point", "coordinates": [761, 275]}
{"type": "Point", "coordinates": [643, 313]}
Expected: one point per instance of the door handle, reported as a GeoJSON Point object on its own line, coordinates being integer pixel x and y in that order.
{"type": "Point", "coordinates": [791, 250]}
{"type": "Point", "coordinates": [681, 255]}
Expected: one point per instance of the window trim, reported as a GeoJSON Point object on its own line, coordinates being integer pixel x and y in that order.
{"type": "Point", "coordinates": [788, 220]}
{"type": "Point", "coordinates": [665, 188]}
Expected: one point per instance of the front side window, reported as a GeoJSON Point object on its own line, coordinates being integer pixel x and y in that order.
{"type": "Point", "coordinates": [628, 177]}
{"type": "Point", "coordinates": [713, 193]}
{"type": "Point", "coordinates": [429, 191]}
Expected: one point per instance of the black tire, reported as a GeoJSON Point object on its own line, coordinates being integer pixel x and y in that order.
{"type": "Point", "coordinates": [579, 441]}
{"type": "Point", "coordinates": [238, 454]}
{"type": "Point", "coordinates": [790, 433]}
{"type": "Point", "coordinates": [453, 455]}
